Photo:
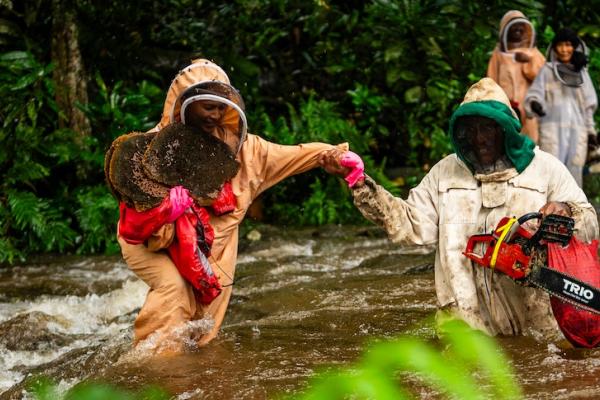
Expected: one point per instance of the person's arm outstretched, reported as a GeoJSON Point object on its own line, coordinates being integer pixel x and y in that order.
{"type": "Point", "coordinates": [413, 221]}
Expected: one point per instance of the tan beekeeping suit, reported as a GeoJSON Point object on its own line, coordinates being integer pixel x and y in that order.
{"type": "Point", "coordinates": [513, 76]}
{"type": "Point", "coordinates": [170, 302]}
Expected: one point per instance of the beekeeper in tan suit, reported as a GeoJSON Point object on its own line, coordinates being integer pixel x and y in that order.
{"type": "Point", "coordinates": [515, 63]}
{"type": "Point", "coordinates": [170, 303]}
{"type": "Point", "coordinates": [495, 172]}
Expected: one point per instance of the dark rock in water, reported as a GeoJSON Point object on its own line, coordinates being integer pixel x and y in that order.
{"type": "Point", "coordinates": [125, 318]}
{"type": "Point", "coordinates": [349, 232]}
{"type": "Point", "coordinates": [80, 364]}
{"type": "Point", "coordinates": [126, 173]}
{"type": "Point", "coordinates": [30, 332]}
{"type": "Point", "coordinates": [182, 155]}
{"type": "Point", "coordinates": [404, 264]}
{"type": "Point", "coordinates": [383, 261]}
{"type": "Point", "coordinates": [419, 269]}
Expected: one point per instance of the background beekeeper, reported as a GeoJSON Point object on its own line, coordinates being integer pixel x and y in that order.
{"type": "Point", "coordinates": [170, 303]}
{"type": "Point", "coordinates": [564, 99]}
{"type": "Point", "coordinates": [515, 63]}
{"type": "Point", "coordinates": [495, 172]}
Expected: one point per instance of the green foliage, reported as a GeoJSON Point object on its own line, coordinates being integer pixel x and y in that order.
{"type": "Point", "coordinates": [468, 365]}
{"type": "Point", "coordinates": [40, 221]}
{"type": "Point", "coordinates": [52, 192]}
{"type": "Point", "coordinates": [316, 198]}
{"type": "Point", "coordinates": [34, 153]}
{"type": "Point", "coordinates": [115, 111]}
{"type": "Point", "coordinates": [383, 75]}
{"type": "Point", "coordinates": [95, 204]}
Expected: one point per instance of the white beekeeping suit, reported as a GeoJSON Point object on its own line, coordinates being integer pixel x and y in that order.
{"type": "Point", "coordinates": [569, 101]}
{"type": "Point", "coordinates": [456, 200]}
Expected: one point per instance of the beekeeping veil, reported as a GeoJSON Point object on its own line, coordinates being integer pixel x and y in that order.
{"type": "Point", "coordinates": [570, 74]}
{"type": "Point", "coordinates": [205, 80]}
{"type": "Point", "coordinates": [510, 19]}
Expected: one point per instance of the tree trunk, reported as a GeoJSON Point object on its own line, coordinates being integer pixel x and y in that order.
{"type": "Point", "coordinates": [69, 74]}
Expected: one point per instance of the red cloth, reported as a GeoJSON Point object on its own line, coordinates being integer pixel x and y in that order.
{"type": "Point", "coordinates": [579, 260]}
{"type": "Point", "coordinates": [194, 236]}
{"type": "Point", "coordinates": [190, 251]}
{"type": "Point", "coordinates": [225, 201]}
{"type": "Point", "coordinates": [136, 227]}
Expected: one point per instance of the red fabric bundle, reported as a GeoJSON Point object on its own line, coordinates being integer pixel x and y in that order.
{"type": "Point", "coordinates": [136, 227]}
{"type": "Point", "coordinates": [190, 251]}
{"type": "Point", "coordinates": [225, 201]}
{"type": "Point", "coordinates": [579, 260]}
{"type": "Point", "coordinates": [193, 238]}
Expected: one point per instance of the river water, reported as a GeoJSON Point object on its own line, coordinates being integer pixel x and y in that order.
{"type": "Point", "coordinates": [304, 300]}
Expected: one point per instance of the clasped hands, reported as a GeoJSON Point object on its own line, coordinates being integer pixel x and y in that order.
{"type": "Point", "coordinates": [346, 164]}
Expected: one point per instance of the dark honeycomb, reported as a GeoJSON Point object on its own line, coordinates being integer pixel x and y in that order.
{"type": "Point", "coordinates": [126, 172]}
{"type": "Point", "coordinates": [182, 155]}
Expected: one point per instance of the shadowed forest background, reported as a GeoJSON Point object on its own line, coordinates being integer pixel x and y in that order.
{"type": "Point", "coordinates": [382, 75]}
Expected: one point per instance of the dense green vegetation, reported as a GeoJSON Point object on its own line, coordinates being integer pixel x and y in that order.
{"type": "Point", "coordinates": [383, 75]}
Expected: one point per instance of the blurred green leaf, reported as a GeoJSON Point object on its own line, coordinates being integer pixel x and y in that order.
{"type": "Point", "coordinates": [413, 95]}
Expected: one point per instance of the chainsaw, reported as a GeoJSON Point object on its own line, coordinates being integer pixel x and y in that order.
{"type": "Point", "coordinates": [551, 259]}
{"type": "Point", "coordinates": [523, 256]}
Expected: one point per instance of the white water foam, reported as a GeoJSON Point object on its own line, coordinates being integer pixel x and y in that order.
{"type": "Point", "coordinates": [91, 314]}
{"type": "Point", "coordinates": [182, 337]}
{"type": "Point", "coordinates": [284, 250]}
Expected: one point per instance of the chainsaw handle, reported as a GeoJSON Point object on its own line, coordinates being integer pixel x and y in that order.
{"type": "Point", "coordinates": [529, 216]}
{"type": "Point", "coordinates": [473, 240]}
{"type": "Point", "coordinates": [520, 221]}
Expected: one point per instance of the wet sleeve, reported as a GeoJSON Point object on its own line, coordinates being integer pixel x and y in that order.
{"type": "Point", "coordinates": [532, 67]}
{"type": "Point", "coordinates": [277, 162]}
{"type": "Point", "coordinates": [562, 187]}
{"type": "Point", "coordinates": [492, 69]}
{"type": "Point", "coordinates": [591, 103]}
{"type": "Point", "coordinates": [413, 221]}
{"type": "Point", "coordinates": [537, 92]}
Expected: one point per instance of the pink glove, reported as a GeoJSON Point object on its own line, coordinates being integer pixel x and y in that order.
{"type": "Point", "coordinates": [353, 160]}
{"type": "Point", "coordinates": [180, 201]}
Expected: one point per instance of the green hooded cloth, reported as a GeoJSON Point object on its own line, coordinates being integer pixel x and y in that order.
{"type": "Point", "coordinates": [486, 99]}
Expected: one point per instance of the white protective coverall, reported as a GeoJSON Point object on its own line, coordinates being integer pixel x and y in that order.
{"type": "Point", "coordinates": [452, 203]}
{"type": "Point", "coordinates": [569, 114]}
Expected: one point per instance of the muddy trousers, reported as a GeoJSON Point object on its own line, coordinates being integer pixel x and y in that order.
{"type": "Point", "coordinates": [170, 302]}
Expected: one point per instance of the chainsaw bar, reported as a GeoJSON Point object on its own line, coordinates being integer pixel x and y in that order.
{"type": "Point", "coordinates": [566, 288]}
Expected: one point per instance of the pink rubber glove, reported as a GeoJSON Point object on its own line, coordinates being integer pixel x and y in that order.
{"type": "Point", "coordinates": [180, 201]}
{"type": "Point", "coordinates": [353, 160]}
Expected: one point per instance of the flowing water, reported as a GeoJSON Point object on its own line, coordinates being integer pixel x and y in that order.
{"type": "Point", "coordinates": [304, 301]}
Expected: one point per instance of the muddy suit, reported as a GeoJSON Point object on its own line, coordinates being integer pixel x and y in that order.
{"type": "Point", "coordinates": [513, 76]}
{"type": "Point", "coordinates": [170, 302]}
{"type": "Point", "coordinates": [452, 202]}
